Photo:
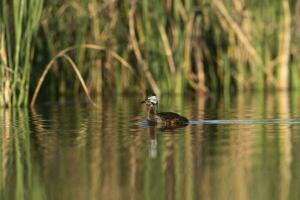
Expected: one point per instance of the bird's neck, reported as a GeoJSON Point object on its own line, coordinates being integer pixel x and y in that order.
{"type": "Point", "coordinates": [152, 113]}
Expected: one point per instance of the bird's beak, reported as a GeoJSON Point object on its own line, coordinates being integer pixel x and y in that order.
{"type": "Point", "coordinates": [143, 101]}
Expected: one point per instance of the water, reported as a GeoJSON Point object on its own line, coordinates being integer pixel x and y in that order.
{"type": "Point", "coordinates": [245, 147]}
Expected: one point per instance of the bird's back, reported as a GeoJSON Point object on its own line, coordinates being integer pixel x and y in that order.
{"type": "Point", "coordinates": [171, 118]}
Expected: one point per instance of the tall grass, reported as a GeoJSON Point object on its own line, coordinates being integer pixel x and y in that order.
{"type": "Point", "coordinates": [19, 21]}
{"type": "Point", "coordinates": [173, 46]}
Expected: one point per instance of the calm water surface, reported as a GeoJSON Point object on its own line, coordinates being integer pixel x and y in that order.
{"type": "Point", "coordinates": [245, 147]}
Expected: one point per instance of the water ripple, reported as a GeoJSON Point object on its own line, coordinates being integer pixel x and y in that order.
{"type": "Point", "coordinates": [245, 121]}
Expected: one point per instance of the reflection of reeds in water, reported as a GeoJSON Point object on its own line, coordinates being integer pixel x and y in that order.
{"type": "Point", "coordinates": [295, 161]}
{"type": "Point", "coordinates": [241, 172]}
{"type": "Point", "coordinates": [19, 179]}
{"type": "Point", "coordinates": [285, 145]}
{"type": "Point", "coordinates": [5, 148]}
{"type": "Point", "coordinates": [78, 152]}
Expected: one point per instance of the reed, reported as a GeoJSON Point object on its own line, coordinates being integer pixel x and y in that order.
{"type": "Point", "coordinates": [19, 21]}
{"type": "Point", "coordinates": [174, 46]}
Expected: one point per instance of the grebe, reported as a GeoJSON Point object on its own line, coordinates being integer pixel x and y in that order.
{"type": "Point", "coordinates": [167, 119]}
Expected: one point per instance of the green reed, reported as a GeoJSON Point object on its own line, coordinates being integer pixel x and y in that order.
{"type": "Point", "coordinates": [19, 21]}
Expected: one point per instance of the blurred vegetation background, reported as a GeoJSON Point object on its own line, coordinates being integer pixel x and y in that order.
{"type": "Point", "coordinates": [169, 46]}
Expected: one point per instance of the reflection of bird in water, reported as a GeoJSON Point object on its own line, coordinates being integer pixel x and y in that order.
{"type": "Point", "coordinates": [165, 120]}
{"type": "Point", "coordinates": [153, 142]}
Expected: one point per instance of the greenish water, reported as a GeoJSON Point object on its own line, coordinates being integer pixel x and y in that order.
{"type": "Point", "coordinates": [245, 147]}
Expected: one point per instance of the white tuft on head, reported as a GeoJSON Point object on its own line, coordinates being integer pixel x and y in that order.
{"type": "Point", "coordinates": [153, 100]}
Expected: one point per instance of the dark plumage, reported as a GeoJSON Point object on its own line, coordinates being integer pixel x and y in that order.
{"type": "Point", "coordinates": [166, 119]}
{"type": "Point", "coordinates": [172, 118]}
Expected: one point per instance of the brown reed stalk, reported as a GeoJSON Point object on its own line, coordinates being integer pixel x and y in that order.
{"type": "Point", "coordinates": [167, 48]}
{"type": "Point", "coordinates": [137, 51]}
{"type": "Point", "coordinates": [63, 53]}
{"type": "Point", "coordinates": [195, 80]}
{"type": "Point", "coordinates": [197, 47]}
{"type": "Point", "coordinates": [224, 15]}
{"type": "Point", "coordinates": [284, 50]}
